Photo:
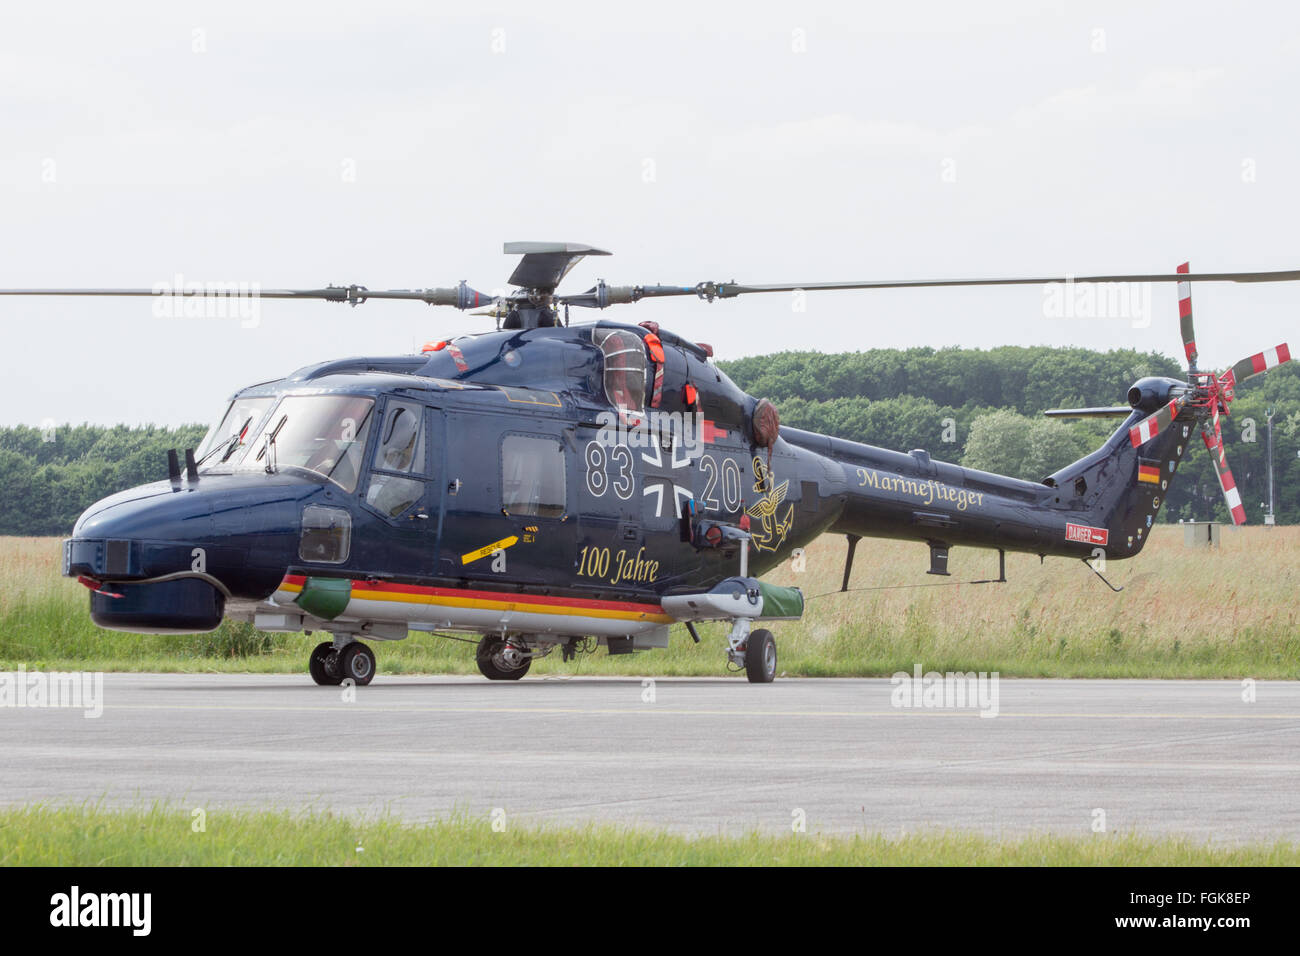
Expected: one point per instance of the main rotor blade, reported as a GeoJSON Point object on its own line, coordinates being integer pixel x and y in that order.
{"type": "Point", "coordinates": [1185, 317]}
{"type": "Point", "coordinates": [460, 297]}
{"type": "Point", "coordinates": [1286, 275]}
{"type": "Point", "coordinates": [601, 296]}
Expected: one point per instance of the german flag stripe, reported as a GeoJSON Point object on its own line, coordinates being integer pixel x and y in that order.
{"type": "Point", "coordinates": [1149, 473]}
{"type": "Point", "coordinates": [491, 600]}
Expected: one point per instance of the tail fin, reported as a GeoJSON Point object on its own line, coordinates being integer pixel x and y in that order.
{"type": "Point", "coordinates": [1122, 487]}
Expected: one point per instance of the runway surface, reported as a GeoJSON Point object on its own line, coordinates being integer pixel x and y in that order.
{"type": "Point", "coordinates": [704, 756]}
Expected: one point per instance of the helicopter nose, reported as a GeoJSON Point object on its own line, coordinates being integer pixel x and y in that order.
{"type": "Point", "coordinates": [159, 510]}
{"type": "Point", "coordinates": [165, 558]}
{"type": "Point", "coordinates": [143, 555]}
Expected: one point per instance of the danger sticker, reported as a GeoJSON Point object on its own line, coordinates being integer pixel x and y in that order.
{"type": "Point", "coordinates": [1081, 532]}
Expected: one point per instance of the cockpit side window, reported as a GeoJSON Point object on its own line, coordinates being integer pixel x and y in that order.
{"type": "Point", "coordinates": [624, 363]}
{"type": "Point", "coordinates": [398, 452]}
{"type": "Point", "coordinates": [401, 439]}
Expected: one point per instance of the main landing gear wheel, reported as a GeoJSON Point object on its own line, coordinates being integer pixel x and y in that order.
{"type": "Point", "coordinates": [498, 659]}
{"type": "Point", "coordinates": [357, 663]}
{"type": "Point", "coordinates": [323, 665]}
{"type": "Point", "coordinates": [760, 657]}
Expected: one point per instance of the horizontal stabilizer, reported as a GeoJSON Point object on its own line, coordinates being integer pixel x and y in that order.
{"type": "Point", "coordinates": [1114, 411]}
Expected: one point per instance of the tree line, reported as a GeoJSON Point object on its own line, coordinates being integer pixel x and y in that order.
{"type": "Point", "coordinates": [50, 475]}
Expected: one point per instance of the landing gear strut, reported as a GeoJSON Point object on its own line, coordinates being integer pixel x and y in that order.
{"type": "Point", "coordinates": [742, 601]}
{"type": "Point", "coordinates": [498, 659]}
{"type": "Point", "coordinates": [330, 665]}
{"type": "Point", "coordinates": [753, 650]}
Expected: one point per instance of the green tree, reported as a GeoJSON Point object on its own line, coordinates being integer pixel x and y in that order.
{"type": "Point", "coordinates": [1030, 448]}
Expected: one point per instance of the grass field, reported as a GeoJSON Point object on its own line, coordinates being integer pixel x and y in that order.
{"type": "Point", "coordinates": [161, 836]}
{"type": "Point", "coordinates": [1230, 613]}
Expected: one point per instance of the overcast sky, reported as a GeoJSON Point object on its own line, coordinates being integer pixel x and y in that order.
{"type": "Point", "coordinates": [396, 145]}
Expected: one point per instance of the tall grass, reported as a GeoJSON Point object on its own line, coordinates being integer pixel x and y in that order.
{"type": "Point", "coordinates": [1184, 612]}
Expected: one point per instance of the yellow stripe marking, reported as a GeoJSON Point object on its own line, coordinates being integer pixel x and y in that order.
{"type": "Point", "coordinates": [487, 549]}
{"type": "Point", "coordinates": [520, 604]}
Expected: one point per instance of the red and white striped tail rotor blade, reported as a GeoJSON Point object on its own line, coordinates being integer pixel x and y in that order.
{"type": "Point", "coordinates": [1230, 493]}
{"type": "Point", "coordinates": [1185, 317]}
{"type": "Point", "coordinates": [1249, 367]}
{"type": "Point", "coordinates": [1153, 425]}
{"type": "Point", "coordinates": [1214, 440]}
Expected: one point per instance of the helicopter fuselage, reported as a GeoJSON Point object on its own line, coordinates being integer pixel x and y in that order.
{"type": "Point", "coordinates": [491, 484]}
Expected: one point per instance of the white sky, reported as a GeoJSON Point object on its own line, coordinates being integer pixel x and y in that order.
{"type": "Point", "coordinates": [1176, 141]}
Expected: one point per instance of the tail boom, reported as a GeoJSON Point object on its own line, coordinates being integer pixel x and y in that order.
{"type": "Point", "coordinates": [1104, 503]}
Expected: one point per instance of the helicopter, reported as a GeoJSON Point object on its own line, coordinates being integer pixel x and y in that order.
{"type": "Point", "coordinates": [546, 485]}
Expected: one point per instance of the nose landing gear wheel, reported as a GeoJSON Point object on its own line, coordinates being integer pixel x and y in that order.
{"type": "Point", "coordinates": [760, 657]}
{"type": "Point", "coordinates": [323, 665]}
{"type": "Point", "coordinates": [357, 663]}
{"type": "Point", "coordinates": [500, 660]}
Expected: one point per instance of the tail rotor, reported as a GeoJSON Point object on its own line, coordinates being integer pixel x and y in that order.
{"type": "Point", "coordinates": [1210, 395]}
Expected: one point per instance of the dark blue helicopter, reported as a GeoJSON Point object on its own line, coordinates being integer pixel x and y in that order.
{"type": "Point", "coordinates": [548, 485]}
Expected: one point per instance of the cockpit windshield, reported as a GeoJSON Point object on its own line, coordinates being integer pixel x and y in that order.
{"type": "Point", "coordinates": [322, 433]}
{"type": "Point", "coordinates": [228, 439]}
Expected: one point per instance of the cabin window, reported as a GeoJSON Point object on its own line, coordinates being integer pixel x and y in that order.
{"type": "Point", "coordinates": [624, 361]}
{"type": "Point", "coordinates": [399, 451]}
{"type": "Point", "coordinates": [532, 476]}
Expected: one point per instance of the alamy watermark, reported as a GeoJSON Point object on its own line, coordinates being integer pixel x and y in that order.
{"type": "Point", "coordinates": [951, 690]}
{"type": "Point", "coordinates": [651, 429]}
{"type": "Point", "coordinates": [77, 908]}
{"type": "Point", "coordinates": [179, 299]}
{"type": "Point", "coordinates": [1130, 301]}
{"type": "Point", "coordinates": [76, 690]}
